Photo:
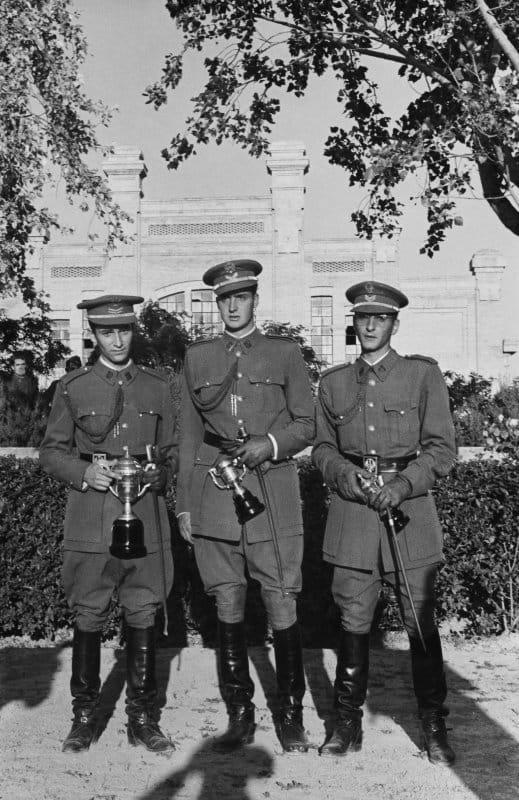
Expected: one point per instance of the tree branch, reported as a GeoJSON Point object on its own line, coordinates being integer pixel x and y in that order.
{"type": "Point", "coordinates": [498, 33]}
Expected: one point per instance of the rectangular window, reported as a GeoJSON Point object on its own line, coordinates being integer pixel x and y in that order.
{"type": "Point", "coordinates": [322, 330]}
{"type": "Point", "coordinates": [351, 345]}
{"type": "Point", "coordinates": [61, 333]}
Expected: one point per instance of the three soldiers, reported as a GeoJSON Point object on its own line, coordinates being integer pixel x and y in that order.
{"type": "Point", "coordinates": [97, 412]}
{"type": "Point", "coordinates": [384, 435]}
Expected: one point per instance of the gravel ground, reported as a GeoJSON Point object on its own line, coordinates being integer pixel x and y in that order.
{"type": "Point", "coordinates": [483, 679]}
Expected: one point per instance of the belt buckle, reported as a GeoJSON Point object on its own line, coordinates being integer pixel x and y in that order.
{"type": "Point", "coordinates": [370, 463]}
{"type": "Point", "coordinates": [99, 457]}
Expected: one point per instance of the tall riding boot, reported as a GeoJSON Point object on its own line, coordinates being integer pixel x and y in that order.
{"type": "Point", "coordinates": [236, 686]}
{"type": "Point", "coordinates": [351, 681]}
{"type": "Point", "coordinates": [291, 689]}
{"type": "Point", "coordinates": [84, 686]}
{"type": "Point", "coordinates": [141, 691]}
{"type": "Point", "coordinates": [431, 690]}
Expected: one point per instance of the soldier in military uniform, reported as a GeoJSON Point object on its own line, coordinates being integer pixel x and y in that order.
{"type": "Point", "coordinates": [238, 385]}
{"type": "Point", "coordinates": [97, 411]}
{"type": "Point", "coordinates": [388, 414]}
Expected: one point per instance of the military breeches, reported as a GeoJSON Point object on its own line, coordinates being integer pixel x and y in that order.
{"type": "Point", "coordinates": [89, 580]}
{"type": "Point", "coordinates": [356, 593]}
{"type": "Point", "coordinates": [222, 566]}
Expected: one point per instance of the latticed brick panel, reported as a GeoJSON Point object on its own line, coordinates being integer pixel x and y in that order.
{"type": "Point", "coordinates": [227, 228]}
{"type": "Point", "coordinates": [76, 271]}
{"type": "Point", "coordinates": [352, 265]}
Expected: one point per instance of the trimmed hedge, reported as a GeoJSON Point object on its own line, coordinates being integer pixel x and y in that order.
{"type": "Point", "coordinates": [478, 586]}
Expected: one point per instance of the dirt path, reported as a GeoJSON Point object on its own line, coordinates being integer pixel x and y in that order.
{"type": "Point", "coordinates": [484, 700]}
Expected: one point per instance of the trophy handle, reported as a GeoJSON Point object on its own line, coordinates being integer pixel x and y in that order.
{"type": "Point", "coordinates": [212, 472]}
{"type": "Point", "coordinates": [114, 492]}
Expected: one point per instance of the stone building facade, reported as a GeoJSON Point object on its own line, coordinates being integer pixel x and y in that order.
{"type": "Point", "coordinates": [452, 317]}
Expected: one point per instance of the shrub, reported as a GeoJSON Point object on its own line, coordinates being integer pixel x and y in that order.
{"type": "Point", "coordinates": [479, 584]}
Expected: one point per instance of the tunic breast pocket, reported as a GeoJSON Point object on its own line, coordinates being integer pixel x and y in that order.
{"type": "Point", "coordinates": [267, 389]}
{"type": "Point", "coordinates": [402, 421]}
{"type": "Point", "coordinates": [147, 423]}
{"type": "Point", "coordinates": [95, 419]}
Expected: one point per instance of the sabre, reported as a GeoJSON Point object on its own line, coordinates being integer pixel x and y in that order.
{"type": "Point", "coordinates": [155, 501]}
{"type": "Point", "coordinates": [242, 437]}
{"type": "Point", "coordinates": [368, 487]}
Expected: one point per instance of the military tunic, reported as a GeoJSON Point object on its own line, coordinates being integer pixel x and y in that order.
{"type": "Point", "coordinates": [396, 408]}
{"type": "Point", "coordinates": [270, 393]}
{"type": "Point", "coordinates": [100, 410]}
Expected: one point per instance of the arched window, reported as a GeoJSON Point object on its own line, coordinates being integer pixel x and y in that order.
{"type": "Point", "coordinates": [200, 309]}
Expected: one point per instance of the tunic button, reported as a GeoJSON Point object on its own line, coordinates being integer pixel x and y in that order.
{"type": "Point", "coordinates": [207, 383]}
{"type": "Point", "coordinates": [373, 452]}
{"type": "Point", "coordinates": [124, 425]}
{"type": "Point", "coordinates": [239, 375]}
{"type": "Point", "coordinates": [120, 383]}
{"type": "Point", "coordinates": [93, 413]}
{"type": "Point", "coordinates": [238, 353]}
{"type": "Point", "coordinates": [268, 380]}
{"type": "Point", "coordinates": [371, 427]}
{"type": "Point", "coordinates": [402, 413]}
{"type": "Point", "coordinates": [240, 422]}
{"type": "Point", "coordinates": [372, 382]}
{"type": "Point", "coordinates": [239, 398]}
{"type": "Point", "coordinates": [370, 404]}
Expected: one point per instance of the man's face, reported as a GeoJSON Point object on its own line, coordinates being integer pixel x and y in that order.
{"type": "Point", "coordinates": [374, 331]}
{"type": "Point", "coordinates": [20, 367]}
{"type": "Point", "coordinates": [114, 342]}
{"type": "Point", "coordinates": [237, 309]}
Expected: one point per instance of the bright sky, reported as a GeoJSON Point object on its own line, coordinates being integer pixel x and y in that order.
{"type": "Point", "coordinates": [127, 42]}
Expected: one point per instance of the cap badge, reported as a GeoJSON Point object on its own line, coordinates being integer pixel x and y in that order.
{"type": "Point", "coordinates": [369, 295]}
{"type": "Point", "coordinates": [229, 272]}
{"type": "Point", "coordinates": [115, 309]}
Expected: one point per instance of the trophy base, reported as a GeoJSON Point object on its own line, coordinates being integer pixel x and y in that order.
{"type": "Point", "coordinates": [247, 506]}
{"type": "Point", "coordinates": [127, 539]}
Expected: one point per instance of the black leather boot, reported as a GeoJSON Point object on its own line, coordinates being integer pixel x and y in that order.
{"type": "Point", "coordinates": [141, 691]}
{"type": "Point", "coordinates": [291, 689]}
{"type": "Point", "coordinates": [351, 683]}
{"type": "Point", "coordinates": [84, 686]}
{"type": "Point", "coordinates": [236, 686]}
{"type": "Point", "coordinates": [431, 690]}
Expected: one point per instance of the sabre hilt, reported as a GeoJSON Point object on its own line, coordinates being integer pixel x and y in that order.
{"type": "Point", "coordinates": [395, 517]}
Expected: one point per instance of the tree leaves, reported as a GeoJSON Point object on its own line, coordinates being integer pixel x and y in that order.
{"type": "Point", "coordinates": [47, 132]}
{"type": "Point", "coordinates": [463, 118]}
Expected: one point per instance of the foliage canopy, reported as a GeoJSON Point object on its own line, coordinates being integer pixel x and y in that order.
{"type": "Point", "coordinates": [47, 133]}
{"type": "Point", "coordinates": [459, 58]}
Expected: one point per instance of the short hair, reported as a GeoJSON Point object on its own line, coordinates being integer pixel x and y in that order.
{"type": "Point", "coordinates": [21, 356]}
{"type": "Point", "coordinates": [74, 362]}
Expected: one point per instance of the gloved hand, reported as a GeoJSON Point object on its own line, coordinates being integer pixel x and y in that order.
{"type": "Point", "coordinates": [99, 476]}
{"type": "Point", "coordinates": [254, 451]}
{"type": "Point", "coordinates": [184, 526]}
{"type": "Point", "coordinates": [348, 486]}
{"type": "Point", "coordinates": [157, 478]}
{"type": "Point", "coordinates": [391, 494]}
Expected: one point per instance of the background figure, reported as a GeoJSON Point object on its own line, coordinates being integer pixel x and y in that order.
{"type": "Point", "coordinates": [247, 396]}
{"type": "Point", "coordinates": [384, 422]}
{"type": "Point", "coordinates": [21, 387]}
{"type": "Point", "coordinates": [97, 413]}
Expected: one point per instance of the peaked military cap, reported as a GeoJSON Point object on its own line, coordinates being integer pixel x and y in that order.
{"type": "Point", "coordinates": [230, 276]}
{"type": "Point", "coordinates": [371, 297]}
{"type": "Point", "coordinates": [111, 309]}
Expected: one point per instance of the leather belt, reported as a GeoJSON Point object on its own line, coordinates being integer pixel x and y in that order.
{"type": "Point", "coordinates": [383, 464]}
{"type": "Point", "coordinates": [220, 442]}
{"type": "Point", "coordinates": [93, 457]}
